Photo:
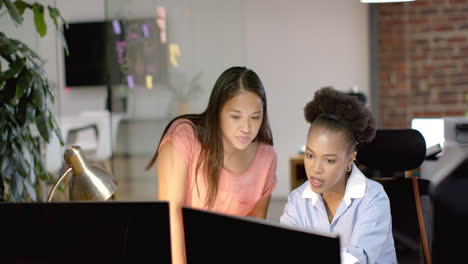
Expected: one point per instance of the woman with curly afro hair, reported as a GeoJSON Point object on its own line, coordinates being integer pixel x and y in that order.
{"type": "Point", "coordinates": [337, 197]}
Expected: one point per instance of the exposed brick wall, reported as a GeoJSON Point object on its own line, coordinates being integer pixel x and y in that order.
{"type": "Point", "coordinates": [423, 60]}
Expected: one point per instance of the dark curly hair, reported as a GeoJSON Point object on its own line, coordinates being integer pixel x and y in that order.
{"type": "Point", "coordinates": [338, 111]}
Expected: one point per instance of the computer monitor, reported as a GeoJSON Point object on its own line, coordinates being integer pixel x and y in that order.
{"type": "Point", "coordinates": [70, 232]}
{"type": "Point", "coordinates": [218, 238]}
{"type": "Point", "coordinates": [432, 130]}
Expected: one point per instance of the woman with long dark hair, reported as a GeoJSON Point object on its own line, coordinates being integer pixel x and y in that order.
{"type": "Point", "coordinates": [222, 159]}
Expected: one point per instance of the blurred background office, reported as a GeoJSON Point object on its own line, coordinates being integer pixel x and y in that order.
{"type": "Point", "coordinates": [134, 65]}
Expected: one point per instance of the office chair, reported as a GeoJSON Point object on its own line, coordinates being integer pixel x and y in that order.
{"type": "Point", "coordinates": [387, 159]}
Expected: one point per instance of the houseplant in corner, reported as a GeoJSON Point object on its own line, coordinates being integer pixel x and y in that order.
{"type": "Point", "coordinates": [24, 98]}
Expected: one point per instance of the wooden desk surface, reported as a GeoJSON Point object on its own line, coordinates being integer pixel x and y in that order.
{"type": "Point", "coordinates": [298, 174]}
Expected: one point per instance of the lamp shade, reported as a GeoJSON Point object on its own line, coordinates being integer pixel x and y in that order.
{"type": "Point", "coordinates": [87, 182]}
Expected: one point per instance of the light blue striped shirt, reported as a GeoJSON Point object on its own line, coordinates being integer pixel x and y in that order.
{"type": "Point", "coordinates": [363, 220]}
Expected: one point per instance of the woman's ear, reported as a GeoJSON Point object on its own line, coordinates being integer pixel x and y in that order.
{"type": "Point", "coordinates": [352, 156]}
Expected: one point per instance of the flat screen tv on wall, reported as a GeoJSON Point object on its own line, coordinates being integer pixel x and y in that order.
{"type": "Point", "coordinates": [85, 64]}
{"type": "Point", "coordinates": [116, 52]}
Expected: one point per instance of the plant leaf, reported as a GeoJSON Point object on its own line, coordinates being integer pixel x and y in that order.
{"type": "Point", "coordinates": [15, 68]}
{"type": "Point", "coordinates": [58, 14]}
{"type": "Point", "coordinates": [43, 176]}
{"type": "Point", "coordinates": [21, 112]}
{"type": "Point", "coordinates": [51, 120]}
{"type": "Point", "coordinates": [38, 96]}
{"type": "Point", "coordinates": [21, 6]}
{"type": "Point", "coordinates": [39, 19]}
{"type": "Point", "coordinates": [58, 132]}
{"type": "Point", "coordinates": [20, 163]}
{"type": "Point", "coordinates": [16, 188]}
{"type": "Point", "coordinates": [53, 13]}
{"type": "Point", "coordinates": [3, 148]}
{"type": "Point", "coordinates": [9, 89]}
{"type": "Point", "coordinates": [42, 125]}
{"type": "Point", "coordinates": [5, 135]}
{"type": "Point", "coordinates": [30, 190]}
{"type": "Point", "coordinates": [47, 177]}
{"type": "Point", "coordinates": [39, 76]}
{"type": "Point", "coordinates": [5, 163]}
{"type": "Point", "coordinates": [50, 93]}
{"type": "Point", "coordinates": [15, 131]}
{"type": "Point", "coordinates": [25, 114]}
{"type": "Point", "coordinates": [7, 172]}
{"type": "Point", "coordinates": [38, 164]}
{"type": "Point", "coordinates": [13, 12]}
{"type": "Point", "coordinates": [30, 113]}
{"type": "Point", "coordinates": [10, 110]}
{"type": "Point", "coordinates": [30, 159]}
{"type": "Point", "coordinates": [24, 83]}
{"type": "Point", "coordinates": [1, 5]}
{"type": "Point", "coordinates": [2, 97]}
{"type": "Point", "coordinates": [2, 122]}
{"type": "Point", "coordinates": [6, 48]}
{"type": "Point", "coordinates": [31, 54]}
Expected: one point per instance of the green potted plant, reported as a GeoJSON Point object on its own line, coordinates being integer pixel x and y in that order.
{"type": "Point", "coordinates": [24, 98]}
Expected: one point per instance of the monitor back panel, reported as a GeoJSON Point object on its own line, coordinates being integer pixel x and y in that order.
{"type": "Point", "coordinates": [216, 238]}
{"type": "Point", "coordinates": [77, 230]}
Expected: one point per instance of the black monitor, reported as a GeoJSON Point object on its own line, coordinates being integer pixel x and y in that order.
{"type": "Point", "coordinates": [218, 238]}
{"type": "Point", "coordinates": [71, 232]}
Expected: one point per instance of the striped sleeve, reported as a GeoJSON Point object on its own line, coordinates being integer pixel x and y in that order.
{"type": "Point", "coordinates": [371, 229]}
{"type": "Point", "coordinates": [290, 214]}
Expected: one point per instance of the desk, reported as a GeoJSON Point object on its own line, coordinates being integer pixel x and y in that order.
{"type": "Point", "coordinates": [298, 175]}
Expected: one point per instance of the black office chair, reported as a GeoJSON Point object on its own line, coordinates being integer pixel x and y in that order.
{"type": "Point", "coordinates": [387, 159]}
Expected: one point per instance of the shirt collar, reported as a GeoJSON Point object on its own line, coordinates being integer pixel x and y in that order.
{"type": "Point", "coordinates": [308, 193]}
{"type": "Point", "coordinates": [355, 188]}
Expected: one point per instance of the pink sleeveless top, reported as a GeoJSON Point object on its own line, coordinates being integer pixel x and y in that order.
{"type": "Point", "coordinates": [237, 193]}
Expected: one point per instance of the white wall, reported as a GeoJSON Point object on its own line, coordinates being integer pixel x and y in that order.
{"type": "Point", "coordinates": [297, 47]}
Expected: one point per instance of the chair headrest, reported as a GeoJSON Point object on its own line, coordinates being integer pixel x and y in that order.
{"type": "Point", "coordinates": [393, 150]}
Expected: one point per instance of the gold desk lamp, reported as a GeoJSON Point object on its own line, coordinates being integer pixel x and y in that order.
{"type": "Point", "coordinates": [87, 182]}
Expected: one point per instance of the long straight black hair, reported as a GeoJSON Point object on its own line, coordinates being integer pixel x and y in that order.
{"type": "Point", "coordinates": [207, 125]}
